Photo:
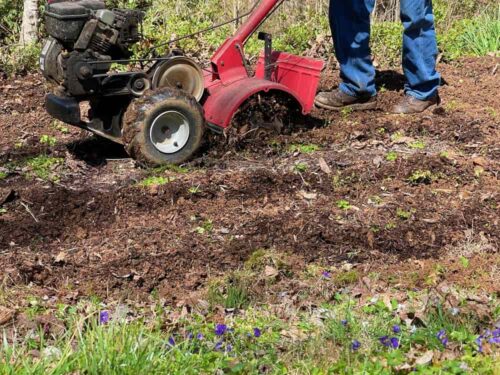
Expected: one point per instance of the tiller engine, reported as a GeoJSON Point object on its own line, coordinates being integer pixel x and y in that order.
{"type": "Point", "coordinates": [160, 112]}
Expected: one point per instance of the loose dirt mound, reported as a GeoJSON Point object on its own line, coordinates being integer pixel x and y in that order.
{"type": "Point", "coordinates": [378, 188]}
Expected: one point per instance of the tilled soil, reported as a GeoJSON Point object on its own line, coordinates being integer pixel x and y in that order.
{"type": "Point", "coordinates": [95, 231]}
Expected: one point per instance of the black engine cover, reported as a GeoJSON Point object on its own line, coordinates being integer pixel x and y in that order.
{"type": "Point", "coordinates": [65, 20]}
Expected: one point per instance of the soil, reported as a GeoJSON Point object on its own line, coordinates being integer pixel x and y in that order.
{"type": "Point", "coordinates": [95, 231]}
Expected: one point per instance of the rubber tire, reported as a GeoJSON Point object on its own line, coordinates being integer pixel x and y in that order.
{"type": "Point", "coordinates": [140, 115]}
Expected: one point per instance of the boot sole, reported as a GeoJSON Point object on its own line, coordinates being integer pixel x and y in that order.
{"type": "Point", "coordinates": [355, 107]}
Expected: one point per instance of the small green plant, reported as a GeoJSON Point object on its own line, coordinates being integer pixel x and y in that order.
{"type": "Point", "coordinates": [43, 166]}
{"type": "Point", "coordinates": [444, 154]}
{"type": "Point", "coordinates": [417, 145]}
{"type": "Point", "coordinates": [346, 112]}
{"type": "Point", "coordinates": [155, 181]}
{"type": "Point", "coordinates": [303, 148]}
{"type": "Point", "coordinates": [3, 175]}
{"type": "Point", "coordinates": [300, 167]}
{"type": "Point", "coordinates": [343, 204]}
{"type": "Point", "coordinates": [60, 127]}
{"type": "Point", "coordinates": [405, 215]}
{"type": "Point", "coordinates": [194, 190]}
{"type": "Point", "coordinates": [345, 278]}
{"type": "Point", "coordinates": [451, 106]}
{"type": "Point", "coordinates": [391, 156]}
{"type": "Point", "coordinates": [464, 261]}
{"type": "Point", "coordinates": [421, 177]}
{"type": "Point", "coordinates": [397, 136]}
{"type": "Point", "coordinates": [390, 225]}
{"type": "Point", "coordinates": [206, 227]}
{"type": "Point", "coordinates": [48, 140]}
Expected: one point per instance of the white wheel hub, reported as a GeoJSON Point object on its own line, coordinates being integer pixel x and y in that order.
{"type": "Point", "coordinates": [170, 132]}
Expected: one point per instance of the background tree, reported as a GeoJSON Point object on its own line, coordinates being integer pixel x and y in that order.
{"type": "Point", "coordinates": [29, 26]}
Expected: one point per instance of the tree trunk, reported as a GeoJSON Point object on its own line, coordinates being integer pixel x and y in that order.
{"type": "Point", "coordinates": [29, 27]}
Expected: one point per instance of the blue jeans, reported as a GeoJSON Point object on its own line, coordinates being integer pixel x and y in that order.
{"type": "Point", "coordinates": [350, 23]}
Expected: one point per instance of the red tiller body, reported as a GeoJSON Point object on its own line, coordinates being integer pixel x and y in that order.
{"type": "Point", "coordinates": [229, 84]}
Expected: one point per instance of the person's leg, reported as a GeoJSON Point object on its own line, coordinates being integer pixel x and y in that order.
{"type": "Point", "coordinates": [419, 49]}
{"type": "Point", "coordinates": [350, 24]}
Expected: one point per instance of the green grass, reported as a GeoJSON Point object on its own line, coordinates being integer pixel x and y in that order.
{"type": "Point", "coordinates": [421, 177]}
{"type": "Point", "coordinates": [391, 156]}
{"type": "Point", "coordinates": [292, 342]}
{"type": "Point", "coordinates": [3, 175]}
{"type": "Point", "coordinates": [304, 148]}
{"type": "Point", "coordinates": [300, 167]}
{"type": "Point", "coordinates": [343, 204]}
{"type": "Point", "coordinates": [43, 166]}
{"type": "Point", "coordinates": [155, 181]}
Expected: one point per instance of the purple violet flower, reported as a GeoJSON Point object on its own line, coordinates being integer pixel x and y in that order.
{"type": "Point", "coordinates": [395, 342]}
{"type": "Point", "coordinates": [257, 332]}
{"type": "Point", "coordinates": [344, 322]}
{"type": "Point", "coordinates": [218, 346]}
{"type": "Point", "coordinates": [171, 341]}
{"type": "Point", "coordinates": [384, 340]}
{"type": "Point", "coordinates": [200, 336]}
{"type": "Point", "coordinates": [326, 275]}
{"type": "Point", "coordinates": [190, 336]}
{"type": "Point", "coordinates": [104, 317]}
{"type": "Point", "coordinates": [441, 335]}
{"type": "Point", "coordinates": [220, 329]}
{"type": "Point", "coordinates": [229, 348]}
{"type": "Point", "coordinates": [355, 345]}
{"type": "Point", "coordinates": [396, 329]}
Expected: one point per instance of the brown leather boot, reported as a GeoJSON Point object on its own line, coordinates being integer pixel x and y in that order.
{"type": "Point", "coordinates": [409, 105]}
{"type": "Point", "coordinates": [337, 100]}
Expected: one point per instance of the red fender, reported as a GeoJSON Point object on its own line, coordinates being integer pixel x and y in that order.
{"type": "Point", "coordinates": [223, 102]}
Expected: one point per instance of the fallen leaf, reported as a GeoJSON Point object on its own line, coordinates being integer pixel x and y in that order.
{"type": "Point", "coordinates": [60, 258]}
{"type": "Point", "coordinates": [308, 196]}
{"type": "Point", "coordinates": [324, 166]}
{"type": "Point", "coordinates": [425, 359]}
{"type": "Point", "coordinates": [270, 272]}
{"type": "Point", "coordinates": [5, 315]}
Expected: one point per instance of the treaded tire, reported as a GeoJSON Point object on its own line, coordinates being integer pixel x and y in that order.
{"type": "Point", "coordinates": [140, 115]}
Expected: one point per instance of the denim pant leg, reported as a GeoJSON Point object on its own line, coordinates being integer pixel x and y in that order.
{"type": "Point", "coordinates": [350, 23]}
{"type": "Point", "coordinates": [419, 49]}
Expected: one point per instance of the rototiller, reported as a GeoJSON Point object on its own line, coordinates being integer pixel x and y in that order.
{"type": "Point", "coordinates": [160, 112]}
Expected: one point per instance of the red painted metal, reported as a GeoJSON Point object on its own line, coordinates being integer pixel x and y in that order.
{"type": "Point", "coordinates": [228, 84]}
{"type": "Point", "coordinates": [299, 74]}
{"type": "Point", "coordinates": [224, 101]}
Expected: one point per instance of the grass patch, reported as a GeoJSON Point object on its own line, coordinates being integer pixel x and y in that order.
{"type": "Point", "coordinates": [343, 205]}
{"type": "Point", "coordinates": [403, 214]}
{"type": "Point", "coordinates": [304, 148]}
{"type": "Point", "coordinates": [421, 177]}
{"type": "Point", "coordinates": [48, 140]}
{"type": "Point", "coordinates": [391, 156]}
{"type": "Point", "coordinates": [349, 338]}
{"type": "Point", "coordinates": [300, 167]}
{"type": "Point", "coordinates": [43, 167]}
{"type": "Point", "coordinates": [417, 145]}
{"type": "Point", "coordinates": [155, 181]}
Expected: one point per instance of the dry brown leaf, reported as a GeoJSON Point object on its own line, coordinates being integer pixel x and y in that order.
{"type": "Point", "coordinates": [270, 272]}
{"type": "Point", "coordinates": [425, 359]}
{"type": "Point", "coordinates": [5, 315]}
{"type": "Point", "coordinates": [324, 166]}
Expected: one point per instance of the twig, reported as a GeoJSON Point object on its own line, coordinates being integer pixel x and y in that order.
{"type": "Point", "coordinates": [29, 211]}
